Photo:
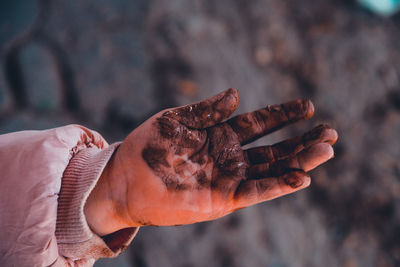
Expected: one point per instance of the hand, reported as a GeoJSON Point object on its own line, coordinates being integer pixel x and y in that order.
{"type": "Point", "coordinates": [187, 165]}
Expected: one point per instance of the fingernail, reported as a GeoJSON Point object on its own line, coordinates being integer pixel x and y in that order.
{"type": "Point", "coordinates": [293, 180]}
{"type": "Point", "coordinates": [309, 108]}
{"type": "Point", "coordinates": [331, 136]}
{"type": "Point", "coordinates": [232, 99]}
{"type": "Point", "coordinates": [298, 109]}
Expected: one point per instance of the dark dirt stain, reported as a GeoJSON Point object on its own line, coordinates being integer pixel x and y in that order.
{"type": "Point", "coordinates": [230, 166]}
{"type": "Point", "coordinates": [262, 187]}
{"type": "Point", "coordinates": [201, 156]}
{"type": "Point", "coordinates": [206, 113]}
{"type": "Point", "coordinates": [180, 166]}
{"type": "Point", "coordinates": [168, 128]}
{"type": "Point", "coordinates": [259, 171]}
{"type": "Point", "coordinates": [251, 126]}
{"type": "Point", "coordinates": [202, 179]}
{"type": "Point", "coordinates": [294, 179]}
{"type": "Point", "coordinates": [274, 169]}
{"type": "Point", "coordinates": [171, 129]}
{"type": "Point", "coordinates": [217, 144]}
{"type": "Point", "coordinates": [155, 157]}
{"type": "Point", "coordinates": [290, 147]}
{"type": "Point", "coordinates": [262, 154]}
{"type": "Point", "coordinates": [314, 134]}
{"type": "Point", "coordinates": [192, 138]}
{"type": "Point", "coordinates": [170, 181]}
{"type": "Point", "coordinates": [182, 187]}
{"type": "Point", "coordinates": [225, 149]}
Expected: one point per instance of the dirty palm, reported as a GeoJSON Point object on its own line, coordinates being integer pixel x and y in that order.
{"type": "Point", "coordinates": [190, 165]}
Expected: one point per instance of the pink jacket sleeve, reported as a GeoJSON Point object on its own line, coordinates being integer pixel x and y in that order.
{"type": "Point", "coordinates": [45, 179]}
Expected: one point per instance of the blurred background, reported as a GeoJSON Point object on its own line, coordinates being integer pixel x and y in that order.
{"type": "Point", "coordinates": [110, 64]}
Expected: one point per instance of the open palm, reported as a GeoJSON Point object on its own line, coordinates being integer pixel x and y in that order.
{"type": "Point", "coordinates": [187, 164]}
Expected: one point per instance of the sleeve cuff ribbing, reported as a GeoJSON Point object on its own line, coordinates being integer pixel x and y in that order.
{"type": "Point", "coordinates": [74, 237]}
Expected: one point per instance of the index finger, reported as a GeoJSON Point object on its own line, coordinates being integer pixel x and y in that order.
{"type": "Point", "coordinates": [251, 126]}
{"type": "Point", "coordinates": [208, 112]}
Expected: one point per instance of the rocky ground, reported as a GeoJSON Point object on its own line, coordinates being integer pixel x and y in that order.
{"type": "Point", "coordinates": [109, 65]}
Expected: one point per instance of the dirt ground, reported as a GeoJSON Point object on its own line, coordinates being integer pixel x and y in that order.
{"type": "Point", "coordinates": [109, 65]}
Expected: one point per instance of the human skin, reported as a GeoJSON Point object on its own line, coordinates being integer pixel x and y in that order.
{"type": "Point", "coordinates": [186, 165]}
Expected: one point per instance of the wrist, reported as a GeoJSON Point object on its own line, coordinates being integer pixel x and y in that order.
{"type": "Point", "coordinates": [105, 208]}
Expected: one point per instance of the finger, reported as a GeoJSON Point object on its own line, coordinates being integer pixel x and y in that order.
{"type": "Point", "coordinates": [290, 147]}
{"type": "Point", "coordinates": [208, 112]}
{"type": "Point", "coordinates": [252, 191]}
{"type": "Point", "coordinates": [250, 126]}
{"type": "Point", "coordinates": [306, 160]}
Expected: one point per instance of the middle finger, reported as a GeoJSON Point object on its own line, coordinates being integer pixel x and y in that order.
{"type": "Point", "coordinates": [252, 125]}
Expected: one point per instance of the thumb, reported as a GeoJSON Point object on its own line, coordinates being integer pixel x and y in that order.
{"type": "Point", "coordinates": [208, 112]}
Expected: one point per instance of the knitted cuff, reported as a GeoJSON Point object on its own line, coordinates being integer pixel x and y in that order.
{"type": "Point", "coordinates": [74, 237]}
